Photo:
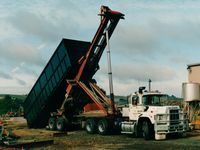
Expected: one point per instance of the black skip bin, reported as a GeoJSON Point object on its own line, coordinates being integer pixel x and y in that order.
{"type": "Point", "coordinates": [49, 90]}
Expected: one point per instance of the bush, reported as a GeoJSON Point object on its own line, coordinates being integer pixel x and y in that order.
{"type": "Point", "coordinates": [10, 104]}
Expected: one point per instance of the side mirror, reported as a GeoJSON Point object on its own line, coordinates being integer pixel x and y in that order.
{"type": "Point", "coordinates": [141, 89]}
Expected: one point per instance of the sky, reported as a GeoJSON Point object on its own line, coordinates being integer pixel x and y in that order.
{"type": "Point", "coordinates": [157, 40]}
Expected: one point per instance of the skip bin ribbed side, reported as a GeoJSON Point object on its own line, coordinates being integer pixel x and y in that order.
{"type": "Point", "coordinates": [48, 92]}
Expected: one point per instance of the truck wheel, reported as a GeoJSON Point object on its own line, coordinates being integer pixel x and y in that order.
{"type": "Point", "coordinates": [90, 126]}
{"type": "Point", "coordinates": [146, 130]}
{"type": "Point", "coordinates": [102, 127]}
{"type": "Point", "coordinates": [52, 123]}
{"type": "Point", "coordinates": [60, 124]}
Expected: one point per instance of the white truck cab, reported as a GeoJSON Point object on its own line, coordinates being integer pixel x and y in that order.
{"type": "Point", "coordinates": [145, 116]}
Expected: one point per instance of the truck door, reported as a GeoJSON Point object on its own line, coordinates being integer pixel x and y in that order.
{"type": "Point", "coordinates": [134, 108]}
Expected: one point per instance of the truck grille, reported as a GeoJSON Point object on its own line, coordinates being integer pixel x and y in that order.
{"type": "Point", "coordinates": [174, 117]}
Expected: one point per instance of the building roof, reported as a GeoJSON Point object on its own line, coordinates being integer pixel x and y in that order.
{"type": "Point", "coordinates": [193, 65]}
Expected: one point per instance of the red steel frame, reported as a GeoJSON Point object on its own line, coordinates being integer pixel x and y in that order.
{"type": "Point", "coordinates": [109, 20]}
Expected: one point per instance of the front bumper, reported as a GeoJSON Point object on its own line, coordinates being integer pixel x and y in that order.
{"type": "Point", "coordinates": [168, 125]}
{"type": "Point", "coordinates": [170, 129]}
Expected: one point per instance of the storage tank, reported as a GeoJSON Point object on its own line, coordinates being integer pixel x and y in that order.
{"type": "Point", "coordinates": [191, 92]}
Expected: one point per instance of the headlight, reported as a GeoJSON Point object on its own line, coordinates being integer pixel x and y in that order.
{"type": "Point", "coordinates": [161, 117]}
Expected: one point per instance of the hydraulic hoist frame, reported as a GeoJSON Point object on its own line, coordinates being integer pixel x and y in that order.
{"type": "Point", "coordinates": [89, 62]}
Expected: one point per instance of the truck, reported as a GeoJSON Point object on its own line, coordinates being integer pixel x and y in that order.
{"type": "Point", "coordinates": [66, 94]}
{"type": "Point", "coordinates": [146, 116]}
{"type": "Point", "coordinates": [66, 84]}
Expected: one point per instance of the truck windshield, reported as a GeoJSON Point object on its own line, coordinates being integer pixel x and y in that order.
{"type": "Point", "coordinates": [152, 99]}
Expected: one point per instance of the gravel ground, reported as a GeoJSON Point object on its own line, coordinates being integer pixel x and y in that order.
{"type": "Point", "coordinates": [80, 140]}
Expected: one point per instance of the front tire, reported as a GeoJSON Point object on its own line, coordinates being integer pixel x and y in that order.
{"type": "Point", "coordinates": [147, 131]}
{"type": "Point", "coordinates": [90, 126]}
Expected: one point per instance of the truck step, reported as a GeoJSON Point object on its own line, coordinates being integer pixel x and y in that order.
{"type": "Point", "coordinates": [123, 132]}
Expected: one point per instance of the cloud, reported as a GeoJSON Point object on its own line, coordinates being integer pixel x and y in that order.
{"type": "Point", "coordinates": [17, 52]}
{"type": "Point", "coordinates": [126, 84]}
{"type": "Point", "coordinates": [179, 29]}
{"type": "Point", "coordinates": [120, 88]}
{"type": "Point", "coordinates": [155, 39]}
{"type": "Point", "coordinates": [135, 39]}
{"type": "Point", "coordinates": [180, 60]}
{"type": "Point", "coordinates": [5, 75]}
{"type": "Point", "coordinates": [17, 77]}
{"type": "Point", "coordinates": [141, 72]}
{"type": "Point", "coordinates": [15, 69]}
{"type": "Point", "coordinates": [41, 46]}
{"type": "Point", "coordinates": [33, 25]}
{"type": "Point", "coordinates": [27, 70]}
{"type": "Point", "coordinates": [45, 27]}
{"type": "Point", "coordinates": [14, 89]}
{"type": "Point", "coordinates": [152, 34]}
{"type": "Point", "coordinates": [21, 82]}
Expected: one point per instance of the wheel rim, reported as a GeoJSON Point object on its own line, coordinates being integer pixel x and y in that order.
{"type": "Point", "coordinates": [101, 127]}
{"type": "Point", "coordinates": [88, 127]}
{"type": "Point", "coordinates": [145, 128]}
{"type": "Point", "coordinates": [51, 124]}
{"type": "Point", "coordinates": [59, 126]}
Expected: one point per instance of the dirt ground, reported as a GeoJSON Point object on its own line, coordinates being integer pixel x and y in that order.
{"type": "Point", "coordinates": [80, 140]}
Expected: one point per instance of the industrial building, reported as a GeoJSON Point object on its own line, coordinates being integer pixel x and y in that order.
{"type": "Point", "coordinates": [193, 73]}
{"type": "Point", "coordinates": [191, 94]}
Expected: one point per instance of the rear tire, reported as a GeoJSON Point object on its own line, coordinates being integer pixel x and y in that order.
{"type": "Point", "coordinates": [103, 127]}
{"type": "Point", "coordinates": [90, 126]}
{"type": "Point", "coordinates": [52, 123]}
{"type": "Point", "coordinates": [60, 124]}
